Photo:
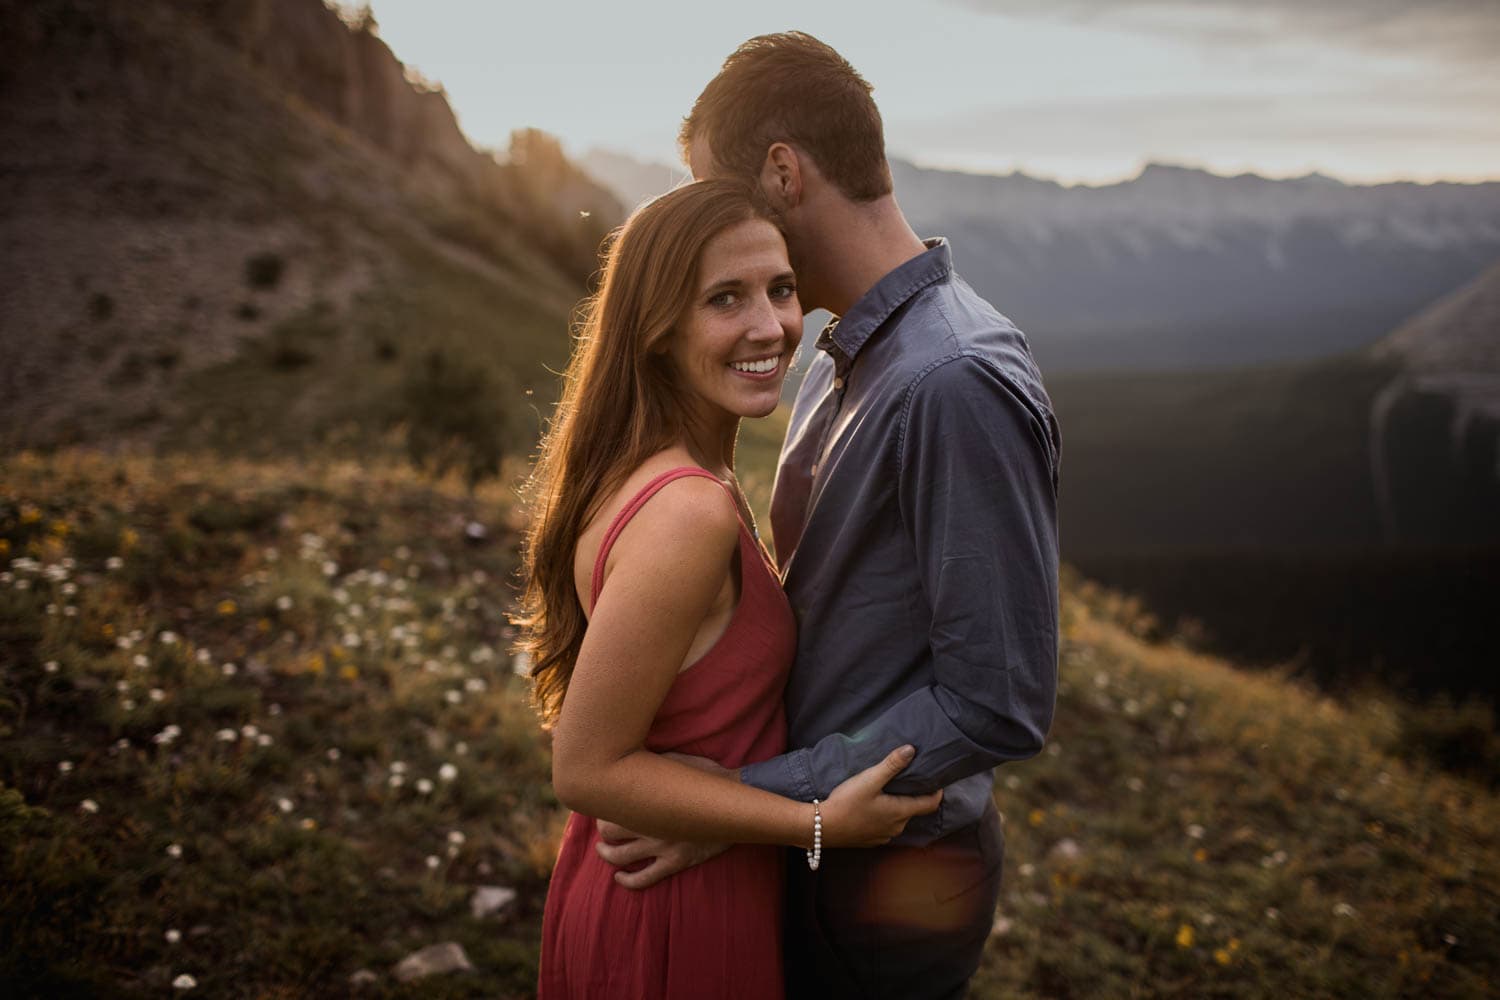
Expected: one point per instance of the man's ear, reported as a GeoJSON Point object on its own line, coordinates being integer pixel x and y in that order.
{"type": "Point", "coordinates": [781, 176]}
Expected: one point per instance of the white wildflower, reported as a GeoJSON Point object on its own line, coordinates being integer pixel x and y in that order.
{"type": "Point", "coordinates": [432, 861]}
{"type": "Point", "coordinates": [156, 694]}
{"type": "Point", "coordinates": [333, 753]}
{"type": "Point", "coordinates": [285, 805]}
{"type": "Point", "coordinates": [453, 697]}
{"type": "Point", "coordinates": [113, 563]}
{"type": "Point", "coordinates": [284, 603]}
{"type": "Point", "coordinates": [167, 638]}
{"type": "Point", "coordinates": [228, 669]}
{"type": "Point", "coordinates": [184, 982]}
{"type": "Point", "coordinates": [50, 666]}
{"type": "Point", "coordinates": [264, 740]}
{"type": "Point", "coordinates": [1343, 910]}
{"type": "Point", "coordinates": [64, 766]}
{"type": "Point", "coordinates": [1195, 831]}
{"type": "Point", "coordinates": [174, 850]}
{"type": "Point", "coordinates": [448, 772]}
{"type": "Point", "coordinates": [89, 806]}
{"type": "Point", "coordinates": [226, 735]}
{"type": "Point", "coordinates": [173, 935]}
{"type": "Point", "coordinates": [424, 786]}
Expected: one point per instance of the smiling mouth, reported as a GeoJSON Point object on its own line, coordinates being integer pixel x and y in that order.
{"type": "Point", "coordinates": [763, 367]}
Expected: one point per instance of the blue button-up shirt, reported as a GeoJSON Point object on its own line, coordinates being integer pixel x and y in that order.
{"type": "Point", "coordinates": [915, 519]}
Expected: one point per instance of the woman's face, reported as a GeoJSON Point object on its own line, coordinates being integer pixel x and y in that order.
{"type": "Point", "coordinates": [736, 337]}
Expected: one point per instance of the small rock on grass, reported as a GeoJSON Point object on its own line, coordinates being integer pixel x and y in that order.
{"type": "Point", "coordinates": [491, 899]}
{"type": "Point", "coordinates": [446, 957]}
{"type": "Point", "coordinates": [363, 977]}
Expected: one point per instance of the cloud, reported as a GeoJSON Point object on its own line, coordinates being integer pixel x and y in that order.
{"type": "Point", "coordinates": [1449, 131]}
{"type": "Point", "coordinates": [1460, 30]}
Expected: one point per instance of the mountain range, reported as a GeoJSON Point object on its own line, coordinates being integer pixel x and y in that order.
{"type": "Point", "coordinates": [1180, 269]}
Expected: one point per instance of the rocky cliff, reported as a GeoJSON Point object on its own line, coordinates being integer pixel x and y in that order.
{"type": "Point", "coordinates": [251, 205]}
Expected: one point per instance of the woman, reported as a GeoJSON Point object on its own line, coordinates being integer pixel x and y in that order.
{"type": "Point", "coordinates": [655, 618]}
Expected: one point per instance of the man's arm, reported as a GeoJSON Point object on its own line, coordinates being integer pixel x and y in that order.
{"type": "Point", "coordinates": [977, 495]}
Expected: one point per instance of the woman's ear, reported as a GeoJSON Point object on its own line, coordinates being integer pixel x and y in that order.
{"type": "Point", "coordinates": [781, 177]}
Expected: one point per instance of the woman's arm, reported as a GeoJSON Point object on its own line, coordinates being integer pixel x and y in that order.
{"type": "Point", "coordinates": [663, 575]}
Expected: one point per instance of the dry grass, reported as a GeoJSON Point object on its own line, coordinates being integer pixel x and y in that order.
{"type": "Point", "coordinates": [1236, 835]}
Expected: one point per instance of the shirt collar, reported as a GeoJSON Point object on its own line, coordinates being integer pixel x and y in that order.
{"type": "Point", "coordinates": [845, 335]}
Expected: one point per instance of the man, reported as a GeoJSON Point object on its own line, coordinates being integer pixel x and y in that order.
{"type": "Point", "coordinates": [914, 516]}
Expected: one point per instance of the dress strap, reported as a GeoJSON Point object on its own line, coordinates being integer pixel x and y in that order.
{"type": "Point", "coordinates": [636, 503]}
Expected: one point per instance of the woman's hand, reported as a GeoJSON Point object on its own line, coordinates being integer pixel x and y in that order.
{"type": "Point", "coordinates": [859, 814]}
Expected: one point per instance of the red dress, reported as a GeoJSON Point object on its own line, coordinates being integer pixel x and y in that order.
{"type": "Point", "coordinates": [713, 930]}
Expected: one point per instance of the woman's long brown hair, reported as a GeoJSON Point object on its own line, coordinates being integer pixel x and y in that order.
{"type": "Point", "coordinates": [619, 406]}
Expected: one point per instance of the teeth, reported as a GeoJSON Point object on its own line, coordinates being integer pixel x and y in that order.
{"type": "Point", "coordinates": [755, 367]}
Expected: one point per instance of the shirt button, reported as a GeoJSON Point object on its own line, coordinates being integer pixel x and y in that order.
{"type": "Point", "coordinates": [838, 383]}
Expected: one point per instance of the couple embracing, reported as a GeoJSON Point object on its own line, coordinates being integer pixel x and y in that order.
{"type": "Point", "coordinates": [848, 698]}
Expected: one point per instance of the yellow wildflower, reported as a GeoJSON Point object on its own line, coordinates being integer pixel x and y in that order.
{"type": "Point", "coordinates": [1222, 956]}
{"type": "Point", "coordinates": [129, 538]}
{"type": "Point", "coordinates": [1200, 855]}
{"type": "Point", "coordinates": [227, 607]}
{"type": "Point", "coordinates": [1035, 817]}
{"type": "Point", "coordinates": [107, 630]}
{"type": "Point", "coordinates": [30, 514]}
{"type": "Point", "coordinates": [58, 528]}
{"type": "Point", "coordinates": [317, 664]}
{"type": "Point", "coordinates": [1185, 936]}
{"type": "Point", "coordinates": [339, 652]}
{"type": "Point", "coordinates": [4, 546]}
{"type": "Point", "coordinates": [1234, 945]}
{"type": "Point", "coordinates": [348, 671]}
{"type": "Point", "coordinates": [264, 625]}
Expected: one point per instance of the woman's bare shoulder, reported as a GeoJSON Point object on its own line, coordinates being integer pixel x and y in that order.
{"type": "Point", "coordinates": [691, 514]}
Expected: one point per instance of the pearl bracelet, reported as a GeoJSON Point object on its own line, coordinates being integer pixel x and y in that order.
{"type": "Point", "coordinates": [815, 856]}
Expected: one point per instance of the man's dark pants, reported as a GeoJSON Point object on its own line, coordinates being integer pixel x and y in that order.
{"type": "Point", "coordinates": [908, 923]}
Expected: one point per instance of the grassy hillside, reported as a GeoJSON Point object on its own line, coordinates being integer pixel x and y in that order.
{"type": "Point", "coordinates": [258, 727]}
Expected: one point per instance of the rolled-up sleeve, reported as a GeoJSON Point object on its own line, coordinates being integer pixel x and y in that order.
{"type": "Point", "coordinates": [977, 491]}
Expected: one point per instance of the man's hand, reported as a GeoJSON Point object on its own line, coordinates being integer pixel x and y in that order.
{"type": "Point", "coordinates": [622, 848]}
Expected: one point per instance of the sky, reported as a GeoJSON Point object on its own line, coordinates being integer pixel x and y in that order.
{"type": "Point", "coordinates": [1083, 91]}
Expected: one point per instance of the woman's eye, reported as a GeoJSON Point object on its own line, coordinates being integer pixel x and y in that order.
{"type": "Point", "coordinates": [722, 299]}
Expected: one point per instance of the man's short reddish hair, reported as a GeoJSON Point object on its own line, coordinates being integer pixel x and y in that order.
{"type": "Point", "coordinates": [790, 87]}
